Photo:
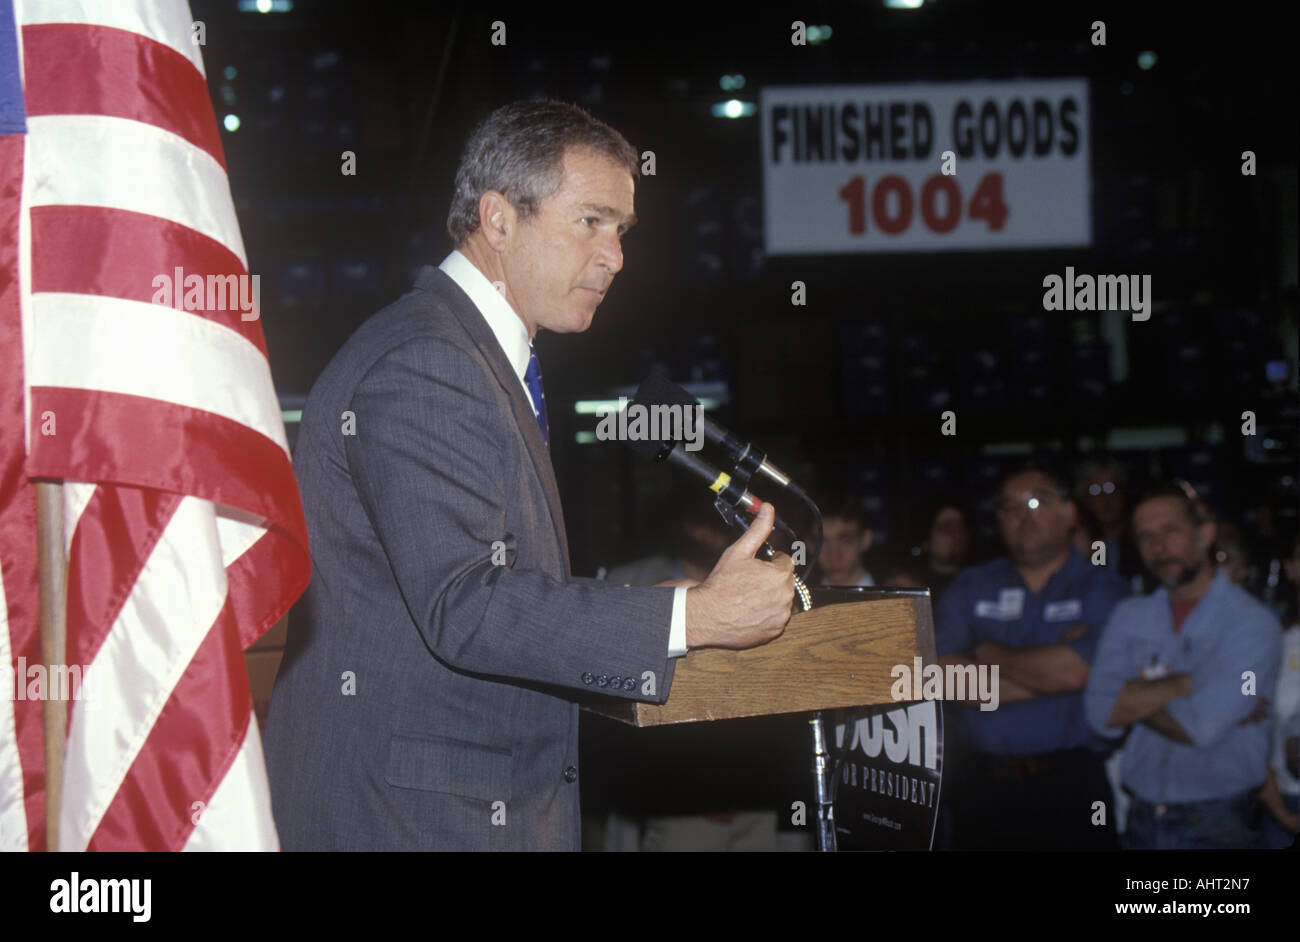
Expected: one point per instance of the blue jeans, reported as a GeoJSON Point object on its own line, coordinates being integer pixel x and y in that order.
{"type": "Point", "coordinates": [1231, 823]}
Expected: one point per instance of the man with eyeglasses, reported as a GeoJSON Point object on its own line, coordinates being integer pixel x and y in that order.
{"type": "Point", "coordinates": [1035, 770]}
{"type": "Point", "coordinates": [1184, 670]}
{"type": "Point", "coordinates": [1100, 488]}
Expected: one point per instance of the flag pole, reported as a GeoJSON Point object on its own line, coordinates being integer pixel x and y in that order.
{"type": "Point", "coordinates": [54, 596]}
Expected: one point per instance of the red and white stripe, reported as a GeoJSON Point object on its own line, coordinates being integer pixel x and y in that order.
{"type": "Point", "coordinates": [183, 524]}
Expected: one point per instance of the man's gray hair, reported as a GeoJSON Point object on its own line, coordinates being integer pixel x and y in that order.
{"type": "Point", "coordinates": [519, 150]}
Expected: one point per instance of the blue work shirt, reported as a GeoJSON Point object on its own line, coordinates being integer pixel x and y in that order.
{"type": "Point", "coordinates": [992, 603]}
{"type": "Point", "coordinates": [1227, 634]}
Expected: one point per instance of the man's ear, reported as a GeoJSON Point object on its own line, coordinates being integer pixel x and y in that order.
{"type": "Point", "coordinates": [864, 541]}
{"type": "Point", "coordinates": [496, 218]}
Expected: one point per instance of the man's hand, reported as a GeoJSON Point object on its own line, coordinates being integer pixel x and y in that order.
{"type": "Point", "coordinates": [744, 602]}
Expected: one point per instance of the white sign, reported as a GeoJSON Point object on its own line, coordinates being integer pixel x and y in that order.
{"type": "Point", "coordinates": [926, 167]}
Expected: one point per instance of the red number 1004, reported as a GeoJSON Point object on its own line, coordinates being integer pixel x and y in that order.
{"type": "Point", "coordinates": [986, 203]}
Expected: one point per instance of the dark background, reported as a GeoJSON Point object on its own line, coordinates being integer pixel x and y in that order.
{"type": "Point", "coordinates": [847, 390]}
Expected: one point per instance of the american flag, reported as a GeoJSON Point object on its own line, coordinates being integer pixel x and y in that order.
{"type": "Point", "coordinates": [182, 521]}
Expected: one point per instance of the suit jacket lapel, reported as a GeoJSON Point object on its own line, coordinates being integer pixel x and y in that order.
{"type": "Point", "coordinates": [437, 281]}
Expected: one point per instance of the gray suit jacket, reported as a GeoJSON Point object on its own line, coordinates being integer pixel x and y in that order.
{"type": "Point", "coordinates": [427, 696]}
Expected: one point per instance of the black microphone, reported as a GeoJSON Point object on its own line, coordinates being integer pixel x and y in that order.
{"type": "Point", "coordinates": [718, 481]}
{"type": "Point", "coordinates": [658, 389]}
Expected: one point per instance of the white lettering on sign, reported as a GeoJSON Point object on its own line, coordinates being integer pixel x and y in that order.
{"type": "Point", "coordinates": [911, 734]}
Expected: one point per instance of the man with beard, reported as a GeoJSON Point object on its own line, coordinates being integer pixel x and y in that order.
{"type": "Point", "coordinates": [1034, 768]}
{"type": "Point", "coordinates": [1185, 668]}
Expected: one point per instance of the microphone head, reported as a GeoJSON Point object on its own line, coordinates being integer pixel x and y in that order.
{"type": "Point", "coordinates": [658, 390]}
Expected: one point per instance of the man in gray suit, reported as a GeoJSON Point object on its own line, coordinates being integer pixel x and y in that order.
{"type": "Point", "coordinates": [427, 698]}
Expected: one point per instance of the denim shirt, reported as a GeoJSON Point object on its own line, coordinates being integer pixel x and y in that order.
{"type": "Point", "coordinates": [1228, 641]}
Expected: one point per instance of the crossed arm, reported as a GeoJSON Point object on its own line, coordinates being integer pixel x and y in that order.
{"type": "Point", "coordinates": [1143, 701]}
{"type": "Point", "coordinates": [1008, 690]}
{"type": "Point", "coordinates": [1161, 720]}
{"type": "Point", "coordinates": [1026, 673]}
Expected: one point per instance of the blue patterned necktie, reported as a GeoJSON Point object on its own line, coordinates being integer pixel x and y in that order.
{"type": "Point", "coordinates": [534, 380]}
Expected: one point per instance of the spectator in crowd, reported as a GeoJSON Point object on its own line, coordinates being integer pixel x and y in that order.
{"type": "Point", "coordinates": [1281, 793]}
{"type": "Point", "coordinates": [846, 535]}
{"type": "Point", "coordinates": [901, 571]}
{"type": "Point", "coordinates": [1184, 669]}
{"type": "Point", "coordinates": [946, 545]}
{"type": "Point", "coordinates": [1035, 770]}
{"type": "Point", "coordinates": [1100, 487]}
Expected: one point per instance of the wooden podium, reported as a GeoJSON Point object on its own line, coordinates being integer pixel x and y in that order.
{"type": "Point", "coordinates": [838, 654]}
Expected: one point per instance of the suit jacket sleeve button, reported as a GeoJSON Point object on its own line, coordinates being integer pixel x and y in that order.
{"type": "Point", "coordinates": [616, 682]}
{"type": "Point", "coordinates": [571, 775]}
{"type": "Point", "coordinates": [602, 681]}
{"type": "Point", "coordinates": [587, 678]}
{"type": "Point", "coordinates": [629, 684]}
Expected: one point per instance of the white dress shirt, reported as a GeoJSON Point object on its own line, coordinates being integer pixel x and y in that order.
{"type": "Point", "coordinates": [512, 335]}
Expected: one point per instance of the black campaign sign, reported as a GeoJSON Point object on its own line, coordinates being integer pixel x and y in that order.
{"type": "Point", "coordinates": [888, 776]}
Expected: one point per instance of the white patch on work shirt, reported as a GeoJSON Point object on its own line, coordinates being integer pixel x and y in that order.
{"type": "Point", "coordinates": [1063, 611]}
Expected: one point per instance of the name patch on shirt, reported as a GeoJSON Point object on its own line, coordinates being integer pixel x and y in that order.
{"type": "Point", "coordinates": [1063, 611]}
{"type": "Point", "coordinates": [1009, 606]}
